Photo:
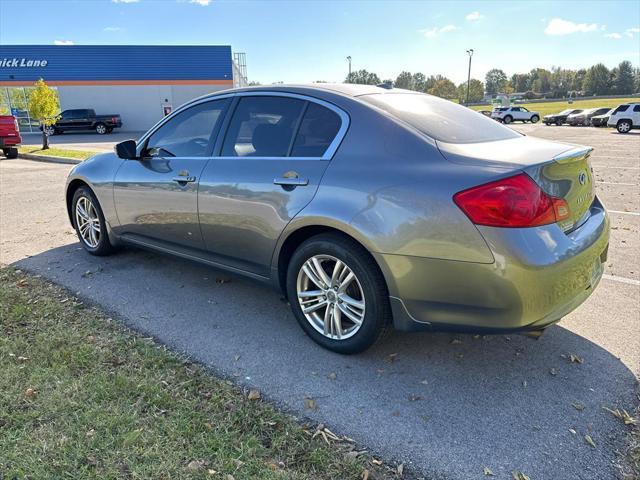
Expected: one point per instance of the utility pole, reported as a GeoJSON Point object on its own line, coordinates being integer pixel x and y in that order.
{"type": "Point", "coordinates": [349, 59]}
{"type": "Point", "coordinates": [470, 53]}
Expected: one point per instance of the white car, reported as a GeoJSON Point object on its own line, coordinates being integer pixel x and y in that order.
{"type": "Point", "coordinates": [514, 114]}
{"type": "Point", "coordinates": [625, 117]}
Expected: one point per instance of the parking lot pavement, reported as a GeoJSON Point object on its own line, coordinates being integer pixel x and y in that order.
{"type": "Point", "coordinates": [82, 140]}
{"type": "Point", "coordinates": [444, 409]}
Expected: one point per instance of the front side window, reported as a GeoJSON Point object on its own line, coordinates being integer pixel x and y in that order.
{"type": "Point", "coordinates": [263, 127]}
{"type": "Point", "coordinates": [189, 133]}
{"type": "Point", "coordinates": [621, 108]}
{"type": "Point", "coordinates": [317, 130]}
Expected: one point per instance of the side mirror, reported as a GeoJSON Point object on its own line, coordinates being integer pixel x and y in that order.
{"type": "Point", "coordinates": [126, 150]}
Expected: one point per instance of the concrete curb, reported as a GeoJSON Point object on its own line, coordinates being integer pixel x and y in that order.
{"type": "Point", "coordinates": [44, 158]}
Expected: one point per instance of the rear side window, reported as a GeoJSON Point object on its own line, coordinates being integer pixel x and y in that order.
{"type": "Point", "coordinates": [441, 119]}
{"type": "Point", "coordinates": [636, 108]}
{"type": "Point", "coordinates": [262, 127]}
{"type": "Point", "coordinates": [621, 108]}
{"type": "Point", "coordinates": [317, 130]}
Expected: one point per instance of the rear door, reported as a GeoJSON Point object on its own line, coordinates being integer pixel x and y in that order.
{"type": "Point", "coordinates": [636, 115]}
{"type": "Point", "coordinates": [270, 163]}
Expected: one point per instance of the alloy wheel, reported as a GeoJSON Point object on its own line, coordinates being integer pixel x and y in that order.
{"type": "Point", "coordinates": [101, 129]}
{"type": "Point", "coordinates": [331, 297]}
{"type": "Point", "coordinates": [88, 222]}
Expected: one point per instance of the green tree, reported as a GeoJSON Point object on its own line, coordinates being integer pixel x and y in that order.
{"type": "Point", "coordinates": [540, 80]}
{"type": "Point", "coordinates": [476, 91]}
{"type": "Point", "coordinates": [44, 107]}
{"type": "Point", "coordinates": [495, 81]}
{"type": "Point", "coordinates": [363, 77]}
{"type": "Point", "coordinates": [597, 80]}
{"type": "Point", "coordinates": [419, 82]}
{"type": "Point", "coordinates": [636, 76]}
{"type": "Point", "coordinates": [430, 82]}
{"type": "Point", "coordinates": [623, 81]}
{"type": "Point", "coordinates": [404, 80]}
{"type": "Point", "coordinates": [520, 82]}
{"type": "Point", "coordinates": [444, 88]}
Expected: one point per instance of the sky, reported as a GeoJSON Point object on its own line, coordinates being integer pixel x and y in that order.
{"type": "Point", "coordinates": [307, 40]}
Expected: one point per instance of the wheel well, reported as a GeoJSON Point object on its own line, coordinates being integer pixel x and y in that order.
{"type": "Point", "coordinates": [71, 190]}
{"type": "Point", "coordinates": [294, 240]}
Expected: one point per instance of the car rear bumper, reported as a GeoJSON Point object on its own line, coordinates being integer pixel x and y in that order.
{"type": "Point", "coordinates": [10, 141]}
{"type": "Point", "coordinates": [540, 275]}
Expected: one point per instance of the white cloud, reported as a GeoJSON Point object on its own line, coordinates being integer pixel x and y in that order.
{"type": "Point", "coordinates": [435, 31]}
{"type": "Point", "coordinates": [111, 29]}
{"type": "Point", "coordinates": [617, 36]}
{"type": "Point", "coordinates": [204, 3]}
{"type": "Point", "coordinates": [125, 1]}
{"type": "Point", "coordinates": [558, 26]}
{"type": "Point", "coordinates": [63, 42]}
{"type": "Point", "coordinates": [473, 16]}
{"type": "Point", "coordinates": [630, 31]}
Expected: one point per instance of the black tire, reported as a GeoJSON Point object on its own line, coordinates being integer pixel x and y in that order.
{"type": "Point", "coordinates": [377, 317]}
{"type": "Point", "coordinates": [101, 128]}
{"type": "Point", "coordinates": [109, 130]}
{"type": "Point", "coordinates": [11, 152]}
{"type": "Point", "coordinates": [508, 119]}
{"type": "Point", "coordinates": [104, 246]}
{"type": "Point", "coordinates": [624, 126]}
{"type": "Point", "coordinates": [548, 124]}
{"type": "Point", "coordinates": [535, 119]}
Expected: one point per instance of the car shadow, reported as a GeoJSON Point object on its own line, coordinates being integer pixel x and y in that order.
{"type": "Point", "coordinates": [446, 405]}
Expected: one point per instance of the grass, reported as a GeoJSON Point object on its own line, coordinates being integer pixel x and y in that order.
{"type": "Point", "coordinates": [81, 396]}
{"type": "Point", "coordinates": [56, 152]}
{"type": "Point", "coordinates": [545, 108]}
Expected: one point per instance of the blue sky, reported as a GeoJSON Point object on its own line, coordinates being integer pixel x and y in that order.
{"type": "Point", "coordinates": [303, 41]}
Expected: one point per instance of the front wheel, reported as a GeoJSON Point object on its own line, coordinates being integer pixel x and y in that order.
{"type": "Point", "coordinates": [101, 128]}
{"type": "Point", "coordinates": [535, 119]}
{"type": "Point", "coordinates": [338, 294]}
{"type": "Point", "coordinates": [624, 126]}
{"type": "Point", "coordinates": [89, 223]}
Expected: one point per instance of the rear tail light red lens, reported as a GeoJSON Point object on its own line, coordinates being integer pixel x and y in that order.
{"type": "Point", "coordinates": [512, 202]}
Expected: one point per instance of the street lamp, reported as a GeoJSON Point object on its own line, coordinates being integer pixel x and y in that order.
{"type": "Point", "coordinates": [470, 53]}
{"type": "Point", "coordinates": [349, 59]}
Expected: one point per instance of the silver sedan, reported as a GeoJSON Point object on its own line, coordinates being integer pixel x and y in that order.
{"type": "Point", "coordinates": [368, 207]}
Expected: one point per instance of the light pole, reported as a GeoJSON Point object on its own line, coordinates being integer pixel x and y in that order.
{"type": "Point", "coordinates": [349, 59]}
{"type": "Point", "coordinates": [470, 53]}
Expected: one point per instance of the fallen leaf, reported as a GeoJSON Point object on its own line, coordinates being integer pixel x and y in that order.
{"type": "Point", "coordinates": [573, 431]}
{"type": "Point", "coordinates": [424, 382]}
{"type": "Point", "coordinates": [211, 471]}
{"type": "Point", "coordinates": [310, 404]}
{"type": "Point", "coordinates": [623, 415]}
{"type": "Point", "coordinates": [30, 393]}
{"type": "Point", "coordinates": [414, 398]}
{"type": "Point", "coordinates": [332, 376]}
{"type": "Point", "coordinates": [22, 282]}
{"type": "Point", "coordinates": [578, 406]}
{"type": "Point", "coordinates": [391, 358]}
{"type": "Point", "coordinates": [487, 471]}
{"type": "Point", "coordinates": [230, 477]}
{"type": "Point", "coordinates": [375, 461]}
{"type": "Point", "coordinates": [253, 395]}
{"type": "Point", "coordinates": [456, 341]}
{"type": "Point", "coordinates": [365, 474]}
{"type": "Point", "coordinates": [400, 469]}
{"type": "Point", "coordinates": [553, 371]}
{"type": "Point", "coordinates": [519, 476]}
{"type": "Point", "coordinates": [575, 359]}
{"type": "Point", "coordinates": [589, 440]}
{"type": "Point", "coordinates": [195, 465]}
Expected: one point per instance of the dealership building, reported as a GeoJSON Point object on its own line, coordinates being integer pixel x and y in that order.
{"type": "Point", "coordinates": [141, 83]}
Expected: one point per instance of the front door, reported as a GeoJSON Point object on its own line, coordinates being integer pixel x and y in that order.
{"type": "Point", "coordinates": [156, 198]}
{"type": "Point", "coordinates": [274, 153]}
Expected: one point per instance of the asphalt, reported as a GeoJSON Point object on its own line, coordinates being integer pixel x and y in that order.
{"type": "Point", "coordinates": [446, 405]}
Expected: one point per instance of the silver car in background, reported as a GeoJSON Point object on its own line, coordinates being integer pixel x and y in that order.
{"type": "Point", "coordinates": [368, 207]}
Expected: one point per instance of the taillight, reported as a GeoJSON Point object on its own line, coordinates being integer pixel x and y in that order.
{"type": "Point", "coordinates": [511, 202]}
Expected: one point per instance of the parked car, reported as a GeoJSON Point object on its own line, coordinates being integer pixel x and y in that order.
{"type": "Point", "coordinates": [368, 207]}
{"type": "Point", "coordinates": [84, 119]}
{"type": "Point", "coordinates": [584, 117]}
{"type": "Point", "coordinates": [625, 117]}
{"type": "Point", "coordinates": [514, 114]}
{"type": "Point", "coordinates": [10, 137]}
{"type": "Point", "coordinates": [601, 120]}
{"type": "Point", "coordinates": [560, 118]}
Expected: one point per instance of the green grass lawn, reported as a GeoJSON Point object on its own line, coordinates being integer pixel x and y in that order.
{"type": "Point", "coordinates": [546, 108]}
{"type": "Point", "coordinates": [56, 152]}
{"type": "Point", "coordinates": [83, 397]}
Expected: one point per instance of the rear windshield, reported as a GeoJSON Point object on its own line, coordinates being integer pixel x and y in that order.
{"type": "Point", "coordinates": [441, 119]}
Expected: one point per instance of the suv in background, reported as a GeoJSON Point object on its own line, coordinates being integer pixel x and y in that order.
{"type": "Point", "coordinates": [9, 136]}
{"type": "Point", "coordinates": [625, 117]}
{"type": "Point", "coordinates": [514, 114]}
{"type": "Point", "coordinates": [84, 119]}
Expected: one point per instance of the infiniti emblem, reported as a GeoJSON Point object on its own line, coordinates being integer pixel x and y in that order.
{"type": "Point", "coordinates": [582, 178]}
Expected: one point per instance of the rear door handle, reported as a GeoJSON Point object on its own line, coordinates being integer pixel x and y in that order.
{"type": "Point", "coordinates": [291, 182]}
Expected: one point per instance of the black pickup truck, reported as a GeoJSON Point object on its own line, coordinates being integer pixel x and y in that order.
{"type": "Point", "coordinates": [84, 119]}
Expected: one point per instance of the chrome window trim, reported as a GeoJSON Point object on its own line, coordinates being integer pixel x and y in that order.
{"type": "Point", "coordinates": [328, 154]}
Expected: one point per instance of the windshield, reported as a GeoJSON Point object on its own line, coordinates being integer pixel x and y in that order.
{"type": "Point", "coordinates": [565, 112]}
{"type": "Point", "coordinates": [441, 119]}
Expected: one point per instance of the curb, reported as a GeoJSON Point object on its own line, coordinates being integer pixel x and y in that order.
{"type": "Point", "coordinates": [44, 158]}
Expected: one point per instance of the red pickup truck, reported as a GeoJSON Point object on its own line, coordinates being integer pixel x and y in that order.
{"type": "Point", "coordinates": [9, 136]}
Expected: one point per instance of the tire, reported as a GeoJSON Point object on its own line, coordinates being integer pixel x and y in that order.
{"type": "Point", "coordinates": [559, 123]}
{"type": "Point", "coordinates": [102, 246]}
{"type": "Point", "coordinates": [535, 119]}
{"type": "Point", "coordinates": [548, 124]}
{"type": "Point", "coordinates": [508, 119]}
{"type": "Point", "coordinates": [368, 288]}
{"type": "Point", "coordinates": [109, 130]}
{"type": "Point", "coordinates": [50, 130]}
{"type": "Point", "coordinates": [624, 126]}
{"type": "Point", "coordinates": [11, 152]}
{"type": "Point", "coordinates": [101, 128]}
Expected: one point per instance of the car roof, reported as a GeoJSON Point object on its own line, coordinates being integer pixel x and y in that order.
{"type": "Point", "coordinates": [347, 89]}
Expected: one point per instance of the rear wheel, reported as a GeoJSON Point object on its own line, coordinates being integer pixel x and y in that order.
{"type": "Point", "coordinates": [11, 152]}
{"type": "Point", "coordinates": [508, 119]}
{"type": "Point", "coordinates": [624, 126]}
{"type": "Point", "coordinates": [50, 130]}
{"type": "Point", "coordinates": [535, 118]}
{"type": "Point", "coordinates": [101, 128]}
{"type": "Point", "coordinates": [338, 294]}
{"type": "Point", "coordinates": [89, 223]}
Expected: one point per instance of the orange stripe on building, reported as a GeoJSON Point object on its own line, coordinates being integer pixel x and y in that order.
{"type": "Point", "coordinates": [82, 83]}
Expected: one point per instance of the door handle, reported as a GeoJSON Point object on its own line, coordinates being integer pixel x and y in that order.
{"type": "Point", "coordinates": [184, 179]}
{"type": "Point", "coordinates": [291, 182]}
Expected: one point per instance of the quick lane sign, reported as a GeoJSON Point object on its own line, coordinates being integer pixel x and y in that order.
{"type": "Point", "coordinates": [22, 63]}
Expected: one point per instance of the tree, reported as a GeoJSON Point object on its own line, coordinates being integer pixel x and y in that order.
{"type": "Point", "coordinates": [363, 77]}
{"type": "Point", "coordinates": [636, 76]}
{"type": "Point", "coordinates": [404, 80]}
{"type": "Point", "coordinates": [444, 88]}
{"type": "Point", "coordinates": [419, 82]}
{"type": "Point", "coordinates": [540, 80]}
{"type": "Point", "coordinates": [495, 81]}
{"type": "Point", "coordinates": [597, 80]}
{"type": "Point", "coordinates": [476, 91]}
{"type": "Point", "coordinates": [520, 82]}
{"type": "Point", "coordinates": [44, 107]}
{"type": "Point", "coordinates": [623, 81]}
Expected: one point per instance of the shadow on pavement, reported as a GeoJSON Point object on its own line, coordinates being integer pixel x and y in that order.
{"type": "Point", "coordinates": [446, 409]}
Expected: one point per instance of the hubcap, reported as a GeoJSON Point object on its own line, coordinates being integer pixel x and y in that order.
{"type": "Point", "coordinates": [624, 127]}
{"type": "Point", "coordinates": [101, 129]}
{"type": "Point", "coordinates": [88, 222]}
{"type": "Point", "coordinates": [331, 297]}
